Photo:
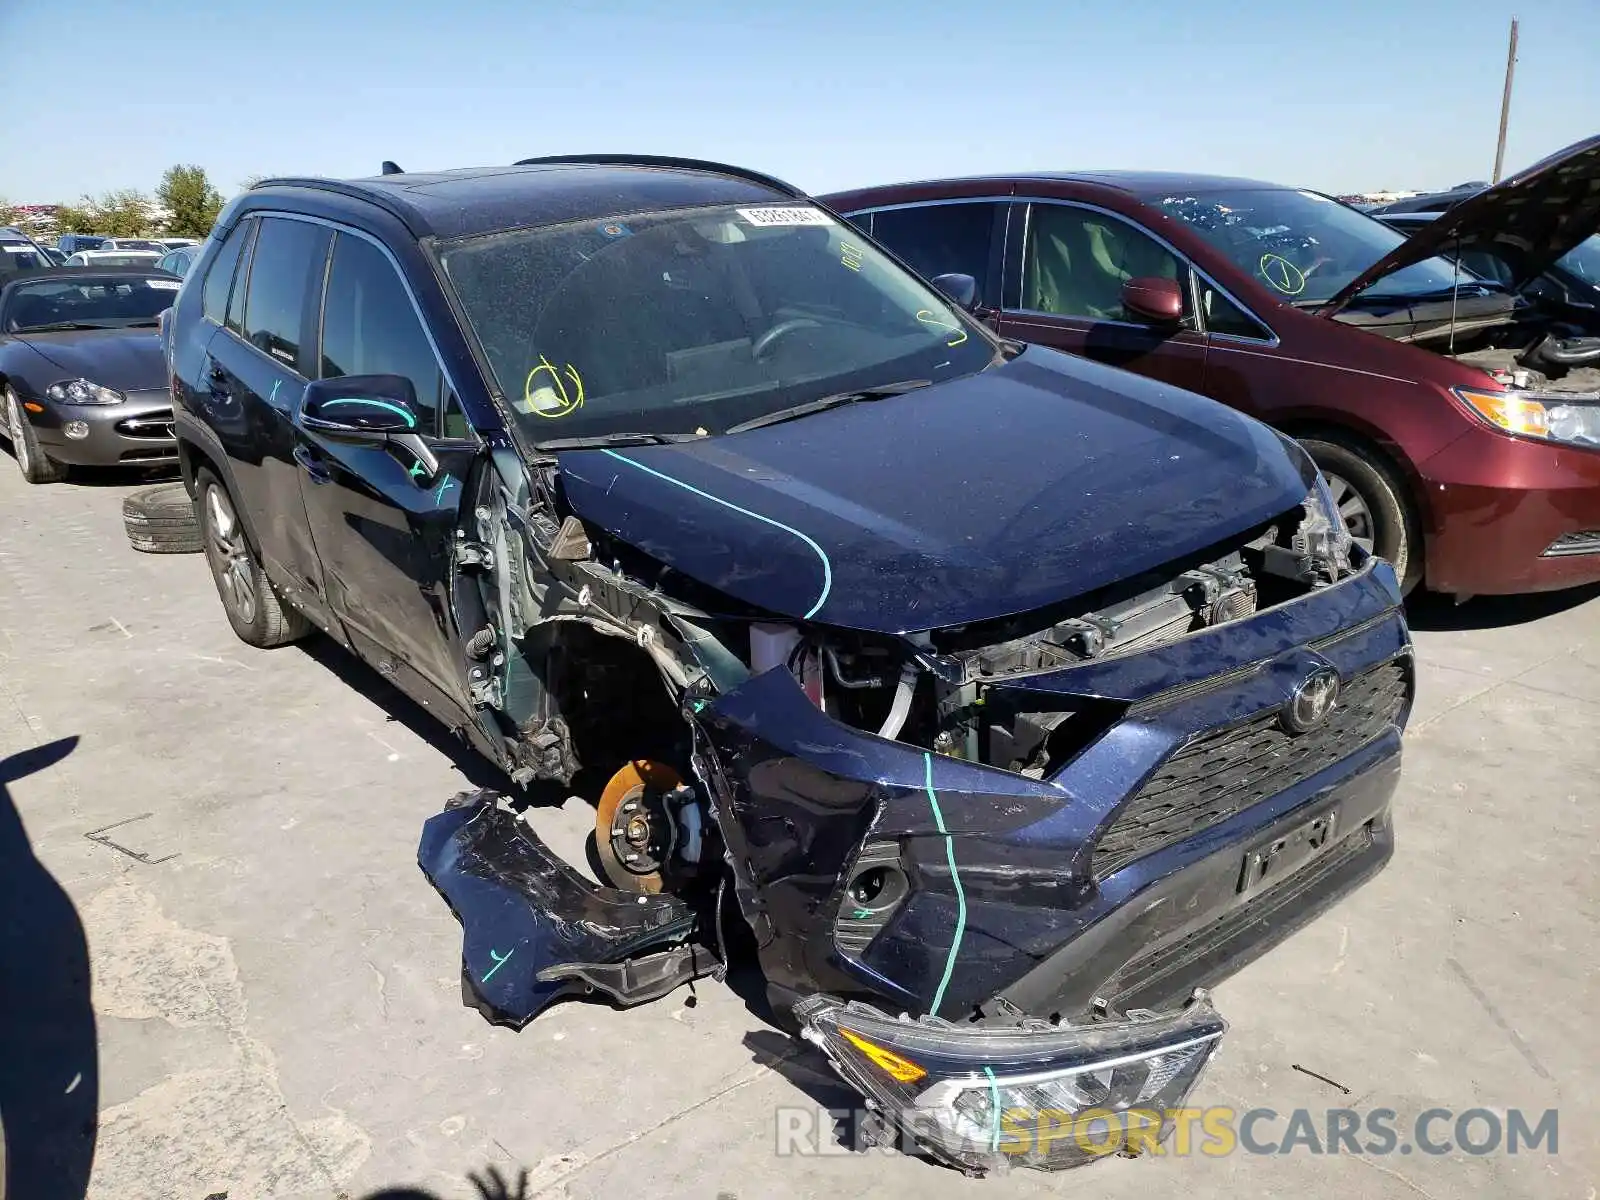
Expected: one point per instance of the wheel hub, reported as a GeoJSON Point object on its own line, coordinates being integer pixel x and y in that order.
{"type": "Point", "coordinates": [633, 833]}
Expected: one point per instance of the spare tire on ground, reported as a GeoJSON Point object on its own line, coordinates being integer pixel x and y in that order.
{"type": "Point", "coordinates": [160, 520]}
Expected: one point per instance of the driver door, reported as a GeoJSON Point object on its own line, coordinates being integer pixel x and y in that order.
{"type": "Point", "coordinates": [1073, 262]}
{"type": "Point", "coordinates": [382, 522]}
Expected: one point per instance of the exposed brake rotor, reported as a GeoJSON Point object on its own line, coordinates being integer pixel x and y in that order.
{"type": "Point", "coordinates": [633, 833]}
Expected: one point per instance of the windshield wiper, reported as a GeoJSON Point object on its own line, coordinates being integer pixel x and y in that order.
{"type": "Point", "coordinates": [601, 441]}
{"type": "Point", "coordinates": [823, 403]}
{"type": "Point", "coordinates": [57, 326]}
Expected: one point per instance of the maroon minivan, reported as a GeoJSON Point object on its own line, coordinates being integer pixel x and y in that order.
{"type": "Point", "coordinates": [1456, 415]}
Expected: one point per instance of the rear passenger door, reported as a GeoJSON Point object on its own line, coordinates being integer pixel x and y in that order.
{"type": "Point", "coordinates": [255, 371]}
{"type": "Point", "coordinates": [383, 522]}
{"type": "Point", "coordinates": [1064, 289]}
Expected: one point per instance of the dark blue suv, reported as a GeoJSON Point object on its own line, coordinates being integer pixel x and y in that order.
{"type": "Point", "coordinates": [986, 684]}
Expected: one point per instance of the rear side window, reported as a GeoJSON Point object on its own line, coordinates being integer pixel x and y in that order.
{"type": "Point", "coordinates": [938, 239]}
{"type": "Point", "coordinates": [219, 276]}
{"type": "Point", "coordinates": [288, 259]}
{"type": "Point", "coordinates": [369, 326]}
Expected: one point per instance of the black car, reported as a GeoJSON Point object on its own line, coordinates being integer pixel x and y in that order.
{"type": "Point", "coordinates": [81, 374]}
{"type": "Point", "coordinates": [983, 683]}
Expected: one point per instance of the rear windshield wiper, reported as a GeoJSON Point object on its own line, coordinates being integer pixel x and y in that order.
{"type": "Point", "coordinates": [601, 441]}
{"type": "Point", "coordinates": [823, 403]}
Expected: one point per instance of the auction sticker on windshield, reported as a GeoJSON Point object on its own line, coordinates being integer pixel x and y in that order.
{"type": "Point", "coordinates": [163, 285]}
{"type": "Point", "coordinates": [788, 214]}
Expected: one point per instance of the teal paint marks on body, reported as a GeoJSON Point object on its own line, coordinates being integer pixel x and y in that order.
{"type": "Point", "coordinates": [827, 567]}
{"type": "Point", "coordinates": [444, 486]}
{"type": "Point", "coordinates": [955, 879]}
{"type": "Point", "coordinates": [411, 421]}
{"type": "Point", "coordinates": [499, 961]}
{"type": "Point", "coordinates": [994, 1111]}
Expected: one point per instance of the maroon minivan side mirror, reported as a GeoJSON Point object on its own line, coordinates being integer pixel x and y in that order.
{"type": "Point", "coordinates": [1157, 300]}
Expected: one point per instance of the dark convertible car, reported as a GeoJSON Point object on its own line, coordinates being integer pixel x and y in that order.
{"type": "Point", "coordinates": [82, 382]}
{"type": "Point", "coordinates": [982, 683]}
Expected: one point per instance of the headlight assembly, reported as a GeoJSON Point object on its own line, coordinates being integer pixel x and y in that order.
{"type": "Point", "coordinates": [984, 1097]}
{"type": "Point", "coordinates": [82, 391]}
{"type": "Point", "coordinates": [1548, 416]}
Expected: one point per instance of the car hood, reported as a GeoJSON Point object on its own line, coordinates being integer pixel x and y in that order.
{"type": "Point", "coordinates": [128, 360]}
{"type": "Point", "coordinates": [1002, 492]}
{"type": "Point", "coordinates": [1528, 221]}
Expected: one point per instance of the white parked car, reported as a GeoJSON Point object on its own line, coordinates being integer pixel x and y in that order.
{"type": "Point", "coordinates": [177, 243]}
{"type": "Point", "coordinates": [113, 258]}
{"type": "Point", "coordinates": [150, 244]}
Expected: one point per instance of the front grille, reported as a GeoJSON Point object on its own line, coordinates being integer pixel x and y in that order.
{"type": "Point", "coordinates": [1223, 773]}
{"type": "Point", "coordinates": [156, 426]}
{"type": "Point", "coordinates": [1587, 542]}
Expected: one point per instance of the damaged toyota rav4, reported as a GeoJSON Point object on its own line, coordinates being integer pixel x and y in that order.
{"type": "Point", "coordinates": [1007, 698]}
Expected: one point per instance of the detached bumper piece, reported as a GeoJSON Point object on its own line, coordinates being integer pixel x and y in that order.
{"type": "Point", "coordinates": [985, 1098]}
{"type": "Point", "coordinates": [535, 931]}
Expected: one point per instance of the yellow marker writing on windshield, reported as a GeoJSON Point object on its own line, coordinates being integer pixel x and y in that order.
{"type": "Point", "coordinates": [927, 317]}
{"type": "Point", "coordinates": [1282, 274]}
{"type": "Point", "coordinates": [550, 396]}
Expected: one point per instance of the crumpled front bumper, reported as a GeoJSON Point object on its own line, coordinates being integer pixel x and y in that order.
{"type": "Point", "coordinates": [535, 930]}
{"type": "Point", "coordinates": [1006, 912]}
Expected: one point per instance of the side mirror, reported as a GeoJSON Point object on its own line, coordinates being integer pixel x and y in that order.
{"type": "Point", "coordinates": [380, 409]}
{"type": "Point", "coordinates": [360, 407]}
{"type": "Point", "coordinates": [961, 289]}
{"type": "Point", "coordinates": [1157, 300]}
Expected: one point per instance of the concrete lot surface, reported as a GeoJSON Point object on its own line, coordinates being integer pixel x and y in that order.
{"type": "Point", "coordinates": [276, 1010]}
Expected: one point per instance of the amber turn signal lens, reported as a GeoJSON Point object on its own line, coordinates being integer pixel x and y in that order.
{"type": "Point", "coordinates": [901, 1070]}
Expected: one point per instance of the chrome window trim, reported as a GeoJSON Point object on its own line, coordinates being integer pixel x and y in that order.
{"type": "Point", "coordinates": [1272, 340]}
{"type": "Point", "coordinates": [878, 208]}
{"type": "Point", "coordinates": [411, 296]}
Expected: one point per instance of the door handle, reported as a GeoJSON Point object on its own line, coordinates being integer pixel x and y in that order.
{"type": "Point", "coordinates": [311, 463]}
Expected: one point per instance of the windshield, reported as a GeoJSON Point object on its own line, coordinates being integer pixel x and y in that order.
{"type": "Point", "coordinates": [691, 321]}
{"type": "Point", "coordinates": [1583, 261]}
{"type": "Point", "coordinates": [105, 303]}
{"type": "Point", "coordinates": [1303, 246]}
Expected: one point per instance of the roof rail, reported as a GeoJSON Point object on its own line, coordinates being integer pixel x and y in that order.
{"type": "Point", "coordinates": [660, 160]}
{"type": "Point", "coordinates": [372, 195]}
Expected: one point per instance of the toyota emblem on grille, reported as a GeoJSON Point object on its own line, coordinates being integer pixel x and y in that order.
{"type": "Point", "coordinates": [1312, 701]}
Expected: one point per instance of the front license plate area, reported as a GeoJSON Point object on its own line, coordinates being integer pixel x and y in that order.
{"type": "Point", "coordinates": [1287, 853]}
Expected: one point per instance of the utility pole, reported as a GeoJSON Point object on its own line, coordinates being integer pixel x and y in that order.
{"type": "Point", "coordinates": [1505, 104]}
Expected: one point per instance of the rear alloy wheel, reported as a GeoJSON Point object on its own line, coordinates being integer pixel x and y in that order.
{"type": "Point", "coordinates": [35, 464]}
{"type": "Point", "coordinates": [254, 609]}
{"type": "Point", "coordinates": [1371, 498]}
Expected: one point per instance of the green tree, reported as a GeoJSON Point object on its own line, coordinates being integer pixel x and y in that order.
{"type": "Point", "coordinates": [8, 214]}
{"type": "Point", "coordinates": [190, 200]}
{"type": "Point", "coordinates": [74, 218]}
{"type": "Point", "coordinates": [122, 213]}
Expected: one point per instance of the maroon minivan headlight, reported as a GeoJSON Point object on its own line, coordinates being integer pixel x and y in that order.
{"type": "Point", "coordinates": [1548, 416]}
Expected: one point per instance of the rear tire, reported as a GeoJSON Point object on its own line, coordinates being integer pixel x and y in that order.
{"type": "Point", "coordinates": [254, 609]}
{"type": "Point", "coordinates": [160, 520]}
{"type": "Point", "coordinates": [1372, 497]}
{"type": "Point", "coordinates": [36, 466]}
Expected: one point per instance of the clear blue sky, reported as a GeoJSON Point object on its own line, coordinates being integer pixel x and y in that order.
{"type": "Point", "coordinates": [1338, 95]}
